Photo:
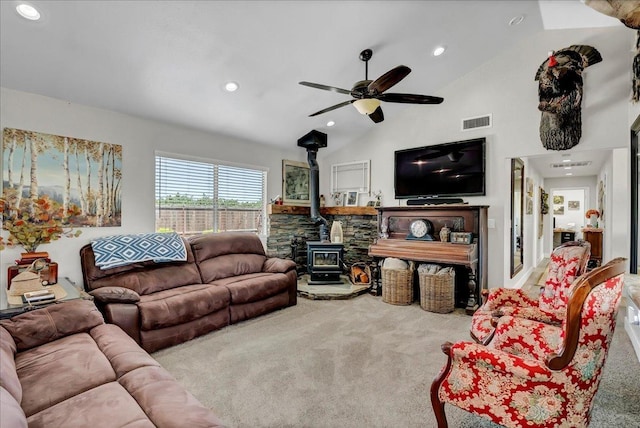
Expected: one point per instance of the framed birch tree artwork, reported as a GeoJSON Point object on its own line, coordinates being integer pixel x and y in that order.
{"type": "Point", "coordinates": [80, 175]}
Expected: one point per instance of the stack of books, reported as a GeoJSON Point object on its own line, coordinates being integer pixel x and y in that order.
{"type": "Point", "coordinates": [28, 258]}
{"type": "Point", "coordinates": [38, 297]}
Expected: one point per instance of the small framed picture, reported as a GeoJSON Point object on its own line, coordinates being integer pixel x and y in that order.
{"type": "Point", "coordinates": [352, 199]}
{"type": "Point", "coordinates": [529, 182]}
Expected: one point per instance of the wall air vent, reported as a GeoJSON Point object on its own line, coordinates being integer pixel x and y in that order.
{"type": "Point", "coordinates": [478, 122]}
{"type": "Point", "coordinates": [570, 164]}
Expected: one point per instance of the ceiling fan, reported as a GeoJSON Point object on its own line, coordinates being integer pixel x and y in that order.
{"type": "Point", "coordinates": [367, 94]}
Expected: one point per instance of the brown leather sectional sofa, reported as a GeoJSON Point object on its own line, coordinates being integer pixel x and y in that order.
{"type": "Point", "coordinates": [227, 278]}
{"type": "Point", "coordinates": [62, 366]}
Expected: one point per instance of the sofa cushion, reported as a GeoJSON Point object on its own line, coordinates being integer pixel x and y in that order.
{"type": "Point", "coordinates": [230, 265]}
{"type": "Point", "coordinates": [11, 414]}
{"type": "Point", "coordinates": [33, 329]}
{"type": "Point", "coordinates": [109, 404]}
{"type": "Point", "coordinates": [277, 265]}
{"type": "Point", "coordinates": [152, 340]}
{"type": "Point", "coordinates": [143, 277]}
{"type": "Point", "coordinates": [123, 353]}
{"type": "Point", "coordinates": [55, 371]}
{"type": "Point", "coordinates": [115, 295]}
{"type": "Point", "coordinates": [253, 287]}
{"type": "Point", "coordinates": [165, 401]}
{"type": "Point", "coordinates": [212, 245]}
{"type": "Point", "coordinates": [8, 375]}
{"type": "Point", "coordinates": [180, 305]}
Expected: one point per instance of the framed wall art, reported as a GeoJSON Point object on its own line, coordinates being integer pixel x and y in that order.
{"type": "Point", "coordinates": [529, 182]}
{"type": "Point", "coordinates": [295, 183]}
{"type": "Point", "coordinates": [77, 175]}
{"type": "Point", "coordinates": [528, 205]}
{"type": "Point", "coordinates": [352, 199]}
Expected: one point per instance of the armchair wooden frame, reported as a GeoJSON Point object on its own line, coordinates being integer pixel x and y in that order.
{"type": "Point", "coordinates": [556, 361]}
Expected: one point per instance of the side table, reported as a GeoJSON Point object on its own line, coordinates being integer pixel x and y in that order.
{"type": "Point", "coordinates": [8, 310]}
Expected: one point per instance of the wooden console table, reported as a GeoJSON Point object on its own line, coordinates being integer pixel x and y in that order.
{"type": "Point", "coordinates": [459, 218]}
{"type": "Point", "coordinates": [594, 237]}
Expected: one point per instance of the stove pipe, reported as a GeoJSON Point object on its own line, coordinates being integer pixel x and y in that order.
{"type": "Point", "coordinates": [312, 142]}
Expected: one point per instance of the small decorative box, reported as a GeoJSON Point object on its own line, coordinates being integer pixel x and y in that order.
{"type": "Point", "coordinates": [461, 237]}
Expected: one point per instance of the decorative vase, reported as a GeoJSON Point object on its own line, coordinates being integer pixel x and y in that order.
{"type": "Point", "coordinates": [593, 220]}
{"type": "Point", "coordinates": [336, 232]}
{"type": "Point", "coordinates": [444, 233]}
{"type": "Point", "coordinates": [384, 228]}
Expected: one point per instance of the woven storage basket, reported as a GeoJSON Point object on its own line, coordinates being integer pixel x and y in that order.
{"type": "Point", "coordinates": [437, 292]}
{"type": "Point", "coordinates": [397, 285]}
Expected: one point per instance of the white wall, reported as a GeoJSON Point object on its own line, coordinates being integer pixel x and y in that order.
{"type": "Point", "coordinates": [505, 87]}
{"type": "Point", "coordinates": [140, 139]}
{"type": "Point", "coordinates": [570, 218]}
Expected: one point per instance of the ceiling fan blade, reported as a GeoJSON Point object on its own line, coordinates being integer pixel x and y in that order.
{"type": "Point", "coordinates": [342, 104]}
{"type": "Point", "coordinates": [377, 116]}
{"type": "Point", "coordinates": [388, 79]}
{"type": "Point", "coordinates": [410, 98]}
{"type": "Point", "coordinates": [326, 88]}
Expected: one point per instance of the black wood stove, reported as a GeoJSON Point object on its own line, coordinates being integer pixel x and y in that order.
{"type": "Point", "coordinates": [324, 262]}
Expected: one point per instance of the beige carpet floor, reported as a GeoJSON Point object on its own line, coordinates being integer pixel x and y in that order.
{"type": "Point", "coordinates": [353, 363]}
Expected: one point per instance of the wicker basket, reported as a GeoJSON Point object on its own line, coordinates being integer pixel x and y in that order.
{"type": "Point", "coordinates": [437, 292]}
{"type": "Point", "coordinates": [397, 285]}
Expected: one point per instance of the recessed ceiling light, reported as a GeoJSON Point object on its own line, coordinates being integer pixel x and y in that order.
{"type": "Point", "coordinates": [516, 20]}
{"type": "Point", "coordinates": [439, 50]}
{"type": "Point", "coordinates": [28, 12]}
{"type": "Point", "coordinates": [566, 160]}
{"type": "Point", "coordinates": [331, 123]}
{"type": "Point", "coordinates": [569, 173]}
{"type": "Point", "coordinates": [231, 86]}
{"type": "Point", "coordinates": [567, 167]}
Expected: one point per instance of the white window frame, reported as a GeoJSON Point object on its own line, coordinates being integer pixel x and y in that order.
{"type": "Point", "coordinates": [262, 232]}
{"type": "Point", "coordinates": [351, 177]}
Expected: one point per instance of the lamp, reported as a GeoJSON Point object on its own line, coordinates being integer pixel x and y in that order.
{"type": "Point", "coordinates": [366, 105]}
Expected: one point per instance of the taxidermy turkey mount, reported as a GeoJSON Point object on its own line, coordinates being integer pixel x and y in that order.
{"type": "Point", "coordinates": [367, 94]}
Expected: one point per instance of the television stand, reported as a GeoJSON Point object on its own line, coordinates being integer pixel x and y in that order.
{"type": "Point", "coordinates": [434, 201]}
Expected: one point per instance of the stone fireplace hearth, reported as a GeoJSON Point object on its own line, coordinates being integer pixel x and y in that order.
{"type": "Point", "coordinates": [338, 291]}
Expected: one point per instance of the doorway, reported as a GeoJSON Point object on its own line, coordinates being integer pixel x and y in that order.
{"type": "Point", "coordinates": [568, 207]}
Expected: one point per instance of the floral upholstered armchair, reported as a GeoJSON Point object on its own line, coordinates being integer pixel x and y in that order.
{"type": "Point", "coordinates": [535, 374]}
{"type": "Point", "coordinates": [567, 262]}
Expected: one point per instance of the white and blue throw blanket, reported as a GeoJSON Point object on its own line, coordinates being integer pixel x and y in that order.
{"type": "Point", "coordinates": [120, 250]}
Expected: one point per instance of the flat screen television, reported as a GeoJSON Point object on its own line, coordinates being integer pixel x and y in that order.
{"type": "Point", "coordinates": [441, 170]}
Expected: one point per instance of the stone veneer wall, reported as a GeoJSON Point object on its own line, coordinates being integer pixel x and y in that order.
{"type": "Point", "coordinates": [359, 231]}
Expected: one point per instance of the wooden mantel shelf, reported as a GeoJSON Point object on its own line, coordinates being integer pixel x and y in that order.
{"type": "Point", "coordinates": [295, 209]}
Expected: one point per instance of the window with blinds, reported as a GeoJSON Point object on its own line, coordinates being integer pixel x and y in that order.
{"type": "Point", "coordinates": [200, 196]}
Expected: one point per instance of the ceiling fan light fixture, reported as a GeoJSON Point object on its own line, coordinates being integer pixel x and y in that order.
{"type": "Point", "coordinates": [366, 105]}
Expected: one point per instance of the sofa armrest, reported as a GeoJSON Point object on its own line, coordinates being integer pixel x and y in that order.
{"type": "Point", "coordinates": [53, 322]}
{"type": "Point", "coordinates": [466, 355]}
{"type": "Point", "coordinates": [277, 265]}
{"type": "Point", "coordinates": [115, 295]}
{"type": "Point", "coordinates": [126, 316]}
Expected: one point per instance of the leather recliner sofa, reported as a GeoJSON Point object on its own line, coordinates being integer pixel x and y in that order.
{"type": "Point", "coordinates": [226, 278]}
{"type": "Point", "coordinates": [62, 366]}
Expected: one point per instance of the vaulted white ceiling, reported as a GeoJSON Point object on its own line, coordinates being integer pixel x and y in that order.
{"type": "Point", "coordinates": [169, 60]}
